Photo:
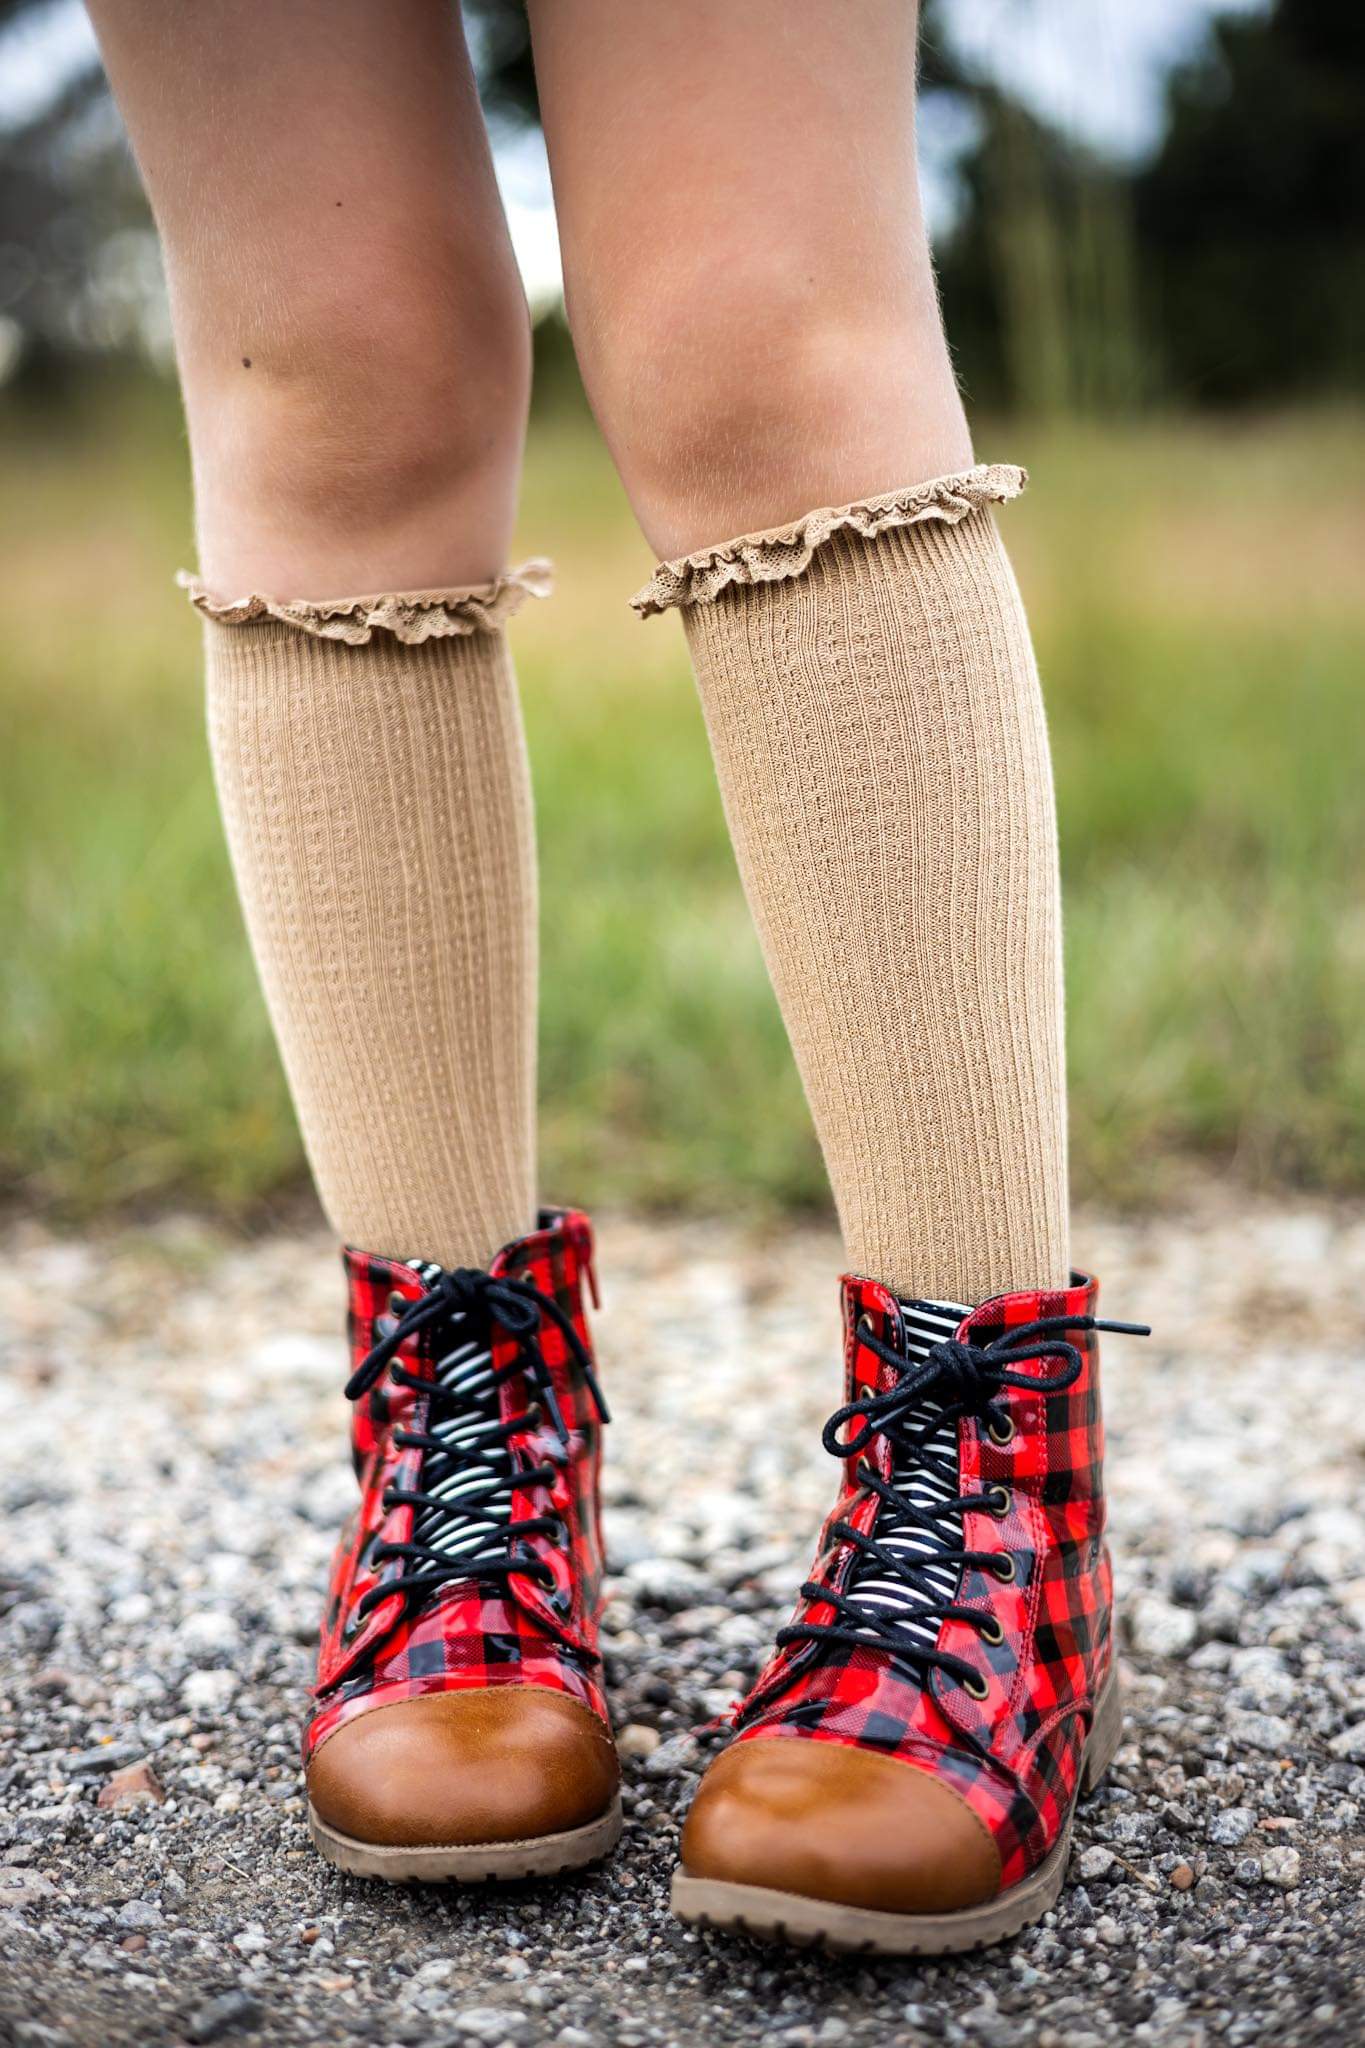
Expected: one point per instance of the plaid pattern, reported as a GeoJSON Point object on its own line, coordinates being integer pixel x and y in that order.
{"type": "Point", "coordinates": [469, 1635]}
{"type": "Point", "coordinates": [1015, 1755]}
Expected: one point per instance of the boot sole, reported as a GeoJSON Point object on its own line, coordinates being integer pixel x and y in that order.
{"type": "Point", "coordinates": [470, 1863]}
{"type": "Point", "coordinates": [769, 1915]}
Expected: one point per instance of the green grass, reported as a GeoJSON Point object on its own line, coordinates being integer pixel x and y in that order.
{"type": "Point", "coordinates": [1199, 629]}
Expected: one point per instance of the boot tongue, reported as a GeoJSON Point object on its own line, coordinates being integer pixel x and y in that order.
{"type": "Point", "coordinates": [474, 1462]}
{"type": "Point", "coordinates": [925, 1323]}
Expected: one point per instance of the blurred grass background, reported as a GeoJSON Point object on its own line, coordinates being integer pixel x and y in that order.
{"type": "Point", "coordinates": [1194, 589]}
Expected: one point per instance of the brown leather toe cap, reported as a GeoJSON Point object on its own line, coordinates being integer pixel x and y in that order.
{"type": "Point", "coordinates": [833, 1822]}
{"type": "Point", "coordinates": [506, 1763]}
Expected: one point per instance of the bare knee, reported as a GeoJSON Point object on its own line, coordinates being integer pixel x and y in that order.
{"type": "Point", "coordinates": [365, 432]}
{"type": "Point", "coordinates": [742, 396]}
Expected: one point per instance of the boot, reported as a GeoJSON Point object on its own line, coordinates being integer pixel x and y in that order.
{"type": "Point", "coordinates": [904, 1772]}
{"type": "Point", "coordinates": [461, 1731]}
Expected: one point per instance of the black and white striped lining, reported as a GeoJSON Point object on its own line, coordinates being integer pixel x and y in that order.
{"type": "Point", "coordinates": [476, 1464]}
{"type": "Point", "coordinates": [926, 1323]}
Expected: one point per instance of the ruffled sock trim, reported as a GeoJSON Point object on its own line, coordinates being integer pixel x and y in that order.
{"type": "Point", "coordinates": [787, 551]}
{"type": "Point", "coordinates": [411, 616]}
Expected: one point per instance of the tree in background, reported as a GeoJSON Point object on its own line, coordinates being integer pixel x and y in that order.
{"type": "Point", "coordinates": [1040, 273]}
{"type": "Point", "coordinates": [1231, 268]}
{"type": "Point", "coordinates": [1251, 220]}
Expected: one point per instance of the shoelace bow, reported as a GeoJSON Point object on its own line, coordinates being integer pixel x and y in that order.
{"type": "Point", "coordinates": [955, 1378]}
{"type": "Point", "coordinates": [519, 1307]}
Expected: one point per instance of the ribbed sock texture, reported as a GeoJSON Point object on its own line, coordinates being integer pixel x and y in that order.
{"type": "Point", "coordinates": [378, 810]}
{"type": "Point", "coordinates": [879, 735]}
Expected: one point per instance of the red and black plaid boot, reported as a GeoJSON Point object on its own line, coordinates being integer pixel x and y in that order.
{"type": "Point", "coordinates": [905, 1768]}
{"type": "Point", "coordinates": [461, 1731]}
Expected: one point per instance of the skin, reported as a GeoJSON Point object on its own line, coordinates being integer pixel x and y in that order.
{"type": "Point", "coordinates": [747, 272]}
{"type": "Point", "coordinates": [746, 268]}
{"type": "Point", "coordinates": [352, 337]}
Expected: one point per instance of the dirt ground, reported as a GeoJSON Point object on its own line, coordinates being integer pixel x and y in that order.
{"type": "Point", "coordinates": [173, 1474]}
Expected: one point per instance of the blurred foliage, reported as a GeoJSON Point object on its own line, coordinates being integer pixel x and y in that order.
{"type": "Point", "coordinates": [1200, 651]}
{"type": "Point", "coordinates": [1229, 268]}
{"type": "Point", "coordinates": [1201, 659]}
{"type": "Point", "coordinates": [1252, 218]}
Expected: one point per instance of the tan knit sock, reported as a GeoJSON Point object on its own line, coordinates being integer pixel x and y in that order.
{"type": "Point", "coordinates": [873, 705]}
{"type": "Point", "coordinates": [372, 774]}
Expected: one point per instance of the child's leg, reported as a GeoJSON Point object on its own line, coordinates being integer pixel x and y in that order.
{"type": "Point", "coordinates": [354, 352]}
{"type": "Point", "coordinates": [354, 348]}
{"type": "Point", "coordinates": [754, 307]}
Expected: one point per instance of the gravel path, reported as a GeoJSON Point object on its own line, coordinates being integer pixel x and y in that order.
{"type": "Point", "coordinates": [172, 1465]}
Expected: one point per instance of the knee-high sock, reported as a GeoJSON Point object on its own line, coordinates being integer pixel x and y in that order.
{"type": "Point", "coordinates": [873, 705]}
{"type": "Point", "coordinates": [372, 774]}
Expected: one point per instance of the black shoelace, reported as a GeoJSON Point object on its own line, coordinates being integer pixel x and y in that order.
{"type": "Point", "coordinates": [954, 1379]}
{"type": "Point", "coordinates": [462, 1503]}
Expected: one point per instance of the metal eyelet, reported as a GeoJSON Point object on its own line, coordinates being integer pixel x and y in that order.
{"type": "Point", "coordinates": [1005, 1569]}
{"type": "Point", "coordinates": [559, 1535]}
{"type": "Point", "coordinates": [991, 1632]}
{"type": "Point", "coordinates": [1001, 1431]}
{"type": "Point", "coordinates": [997, 1501]}
{"type": "Point", "coordinates": [975, 1688]}
{"type": "Point", "coordinates": [397, 1303]}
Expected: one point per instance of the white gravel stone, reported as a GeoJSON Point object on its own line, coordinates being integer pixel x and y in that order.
{"type": "Point", "coordinates": [168, 1575]}
{"type": "Point", "coordinates": [490, 2023]}
{"type": "Point", "coordinates": [1232, 1827]}
{"type": "Point", "coordinates": [1157, 1629]}
{"type": "Point", "coordinates": [636, 1741]}
{"type": "Point", "coordinates": [208, 1692]}
{"type": "Point", "coordinates": [1282, 1867]}
{"type": "Point", "coordinates": [1267, 1732]}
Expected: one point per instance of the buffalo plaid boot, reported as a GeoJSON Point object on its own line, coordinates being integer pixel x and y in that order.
{"type": "Point", "coordinates": [461, 1731]}
{"type": "Point", "coordinates": [905, 1769]}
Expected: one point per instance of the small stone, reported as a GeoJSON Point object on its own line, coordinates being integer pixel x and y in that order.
{"type": "Point", "coordinates": [1266, 1732]}
{"type": "Point", "coordinates": [1263, 1679]}
{"type": "Point", "coordinates": [574, 2037]}
{"type": "Point", "coordinates": [679, 1753]}
{"type": "Point", "coordinates": [138, 1914]}
{"type": "Point", "coordinates": [133, 1944]}
{"type": "Point", "coordinates": [1182, 1877]}
{"type": "Point", "coordinates": [636, 1741]}
{"type": "Point", "coordinates": [1281, 1867]}
{"type": "Point", "coordinates": [308, 1935]}
{"type": "Point", "coordinates": [491, 2023]}
{"type": "Point", "coordinates": [208, 1634]}
{"type": "Point", "coordinates": [1157, 1629]}
{"type": "Point", "coordinates": [208, 1692]}
{"type": "Point", "coordinates": [223, 2015]}
{"type": "Point", "coordinates": [1350, 1743]}
{"type": "Point", "coordinates": [135, 1785]}
{"type": "Point", "coordinates": [439, 1970]}
{"type": "Point", "coordinates": [110, 1756]}
{"type": "Point", "coordinates": [1231, 1827]}
{"type": "Point", "coordinates": [667, 1582]}
{"type": "Point", "coordinates": [75, 1685]}
{"type": "Point", "coordinates": [1094, 1862]}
